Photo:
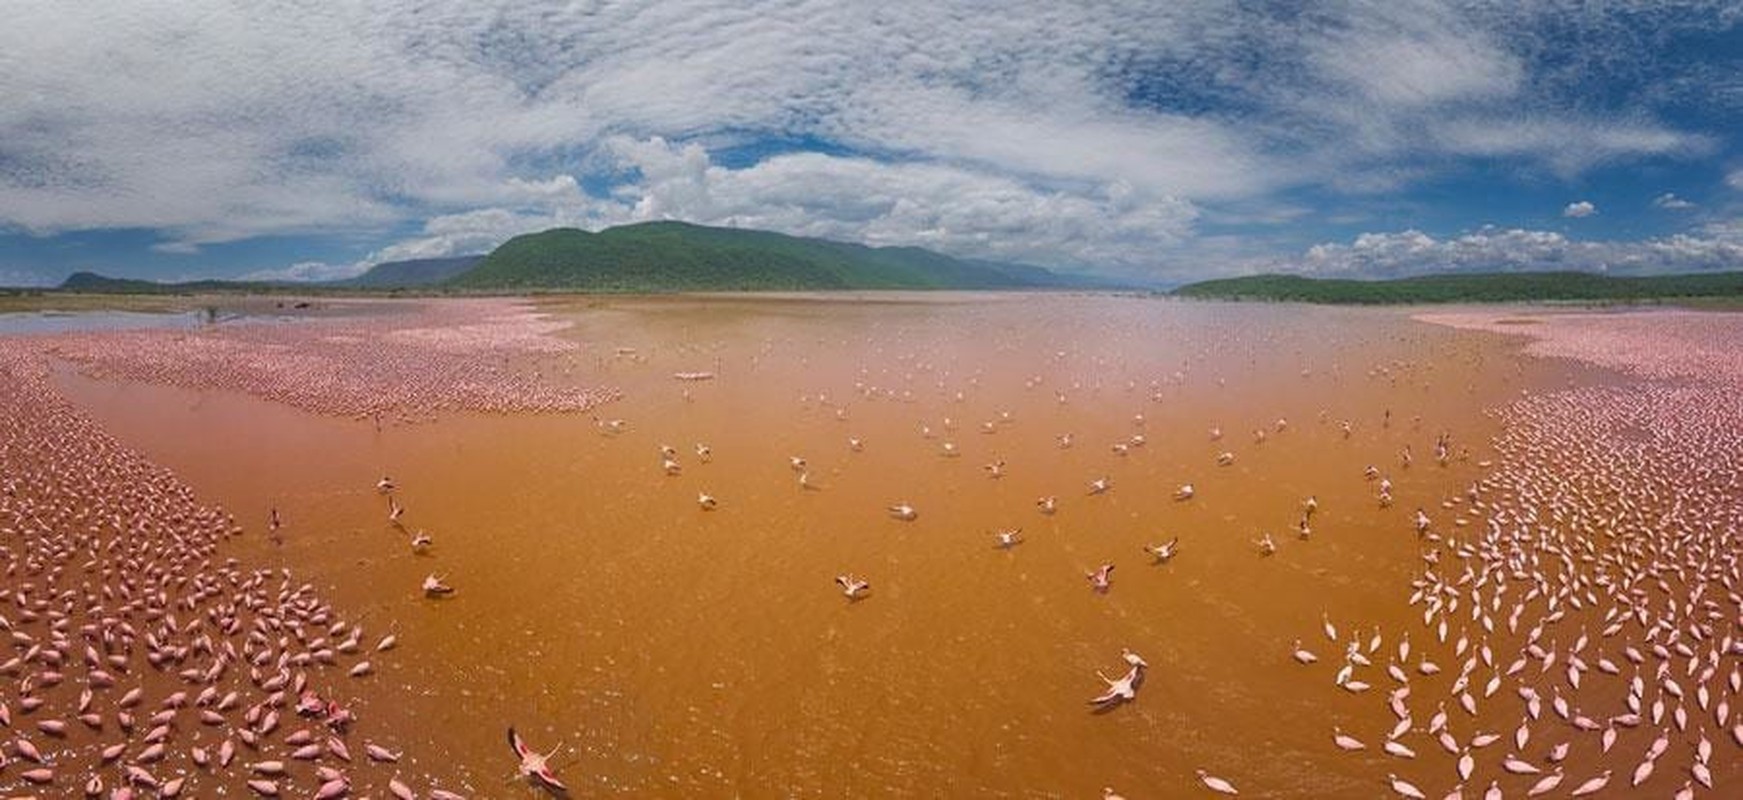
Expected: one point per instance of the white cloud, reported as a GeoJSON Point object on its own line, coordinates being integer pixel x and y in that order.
{"type": "Point", "coordinates": [1579, 209]}
{"type": "Point", "coordinates": [177, 248]}
{"type": "Point", "coordinates": [1415, 54]}
{"type": "Point", "coordinates": [951, 209]}
{"type": "Point", "coordinates": [1670, 201]}
{"type": "Point", "coordinates": [308, 271]}
{"type": "Point", "coordinates": [290, 119]}
{"type": "Point", "coordinates": [1412, 252]}
{"type": "Point", "coordinates": [1735, 179]}
{"type": "Point", "coordinates": [1568, 145]}
{"type": "Point", "coordinates": [24, 279]}
{"type": "Point", "coordinates": [207, 122]}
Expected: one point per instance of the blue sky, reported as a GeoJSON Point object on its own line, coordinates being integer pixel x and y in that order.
{"type": "Point", "coordinates": [1148, 140]}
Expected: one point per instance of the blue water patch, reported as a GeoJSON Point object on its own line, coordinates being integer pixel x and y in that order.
{"type": "Point", "coordinates": [66, 322]}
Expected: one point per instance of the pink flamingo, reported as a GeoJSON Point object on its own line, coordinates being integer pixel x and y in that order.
{"type": "Point", "coordinates": [534, 765]}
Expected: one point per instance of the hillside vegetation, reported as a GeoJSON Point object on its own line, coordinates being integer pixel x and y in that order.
{"type": "Point", "coordinates": [676, 256]}
{"type": "Point", "coordinates": [411, 273]}
{"type": "Point", "coordinates": [650, 257]}
{"type": "Point", "coordinates": [1474, 288]}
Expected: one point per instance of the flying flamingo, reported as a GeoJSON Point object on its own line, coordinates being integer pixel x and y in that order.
{"type": "Point", "coordinates": [1164, 551]}
{"type": "Point", "coordinates": [434, 587]}
{"type": "Point", "coordinates": [534, 765]}
{"type": "Point", "coordinates": [1185, 492]}
{"type": "Point", "coordinates": [903, 512]}
{"type": "Point", "coordinates": [851, 586]}
{"type": "Point", "coordinates": [1119, 691]}
{"type": "Point", "coordinates": [1101, 577]}
{"type": "Point", "coordinates": [1010, 538]}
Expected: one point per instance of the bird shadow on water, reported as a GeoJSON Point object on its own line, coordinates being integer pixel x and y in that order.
{"type": "Point", "coordinates": [538, 788]}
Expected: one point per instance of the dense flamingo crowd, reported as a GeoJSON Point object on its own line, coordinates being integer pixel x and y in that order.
{"type": "Point", "coordinates": [141, 661]}
{"type": "Point", "coordinates": [1593, 611]}
{"type": "Point", "coordinates": [438, 357]}
{"type": "Point", "coordinates": [1580, 605]}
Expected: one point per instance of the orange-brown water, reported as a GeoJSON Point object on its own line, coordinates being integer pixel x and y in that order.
{"type": "Point", "coordinates": [679, 652]}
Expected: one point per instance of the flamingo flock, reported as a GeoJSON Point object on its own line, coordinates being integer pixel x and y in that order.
{"type": "Point", "coordinates": [141, 661]}
{"type": "Point", "coordinates": [1582, 594]}
{"type": "Point", "coordinates": [407, 365]}
{"type": "Point", "coordinates": [1589, 588]}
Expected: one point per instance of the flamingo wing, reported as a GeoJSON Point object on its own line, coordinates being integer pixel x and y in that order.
{"type": "Point", "coordinates": [514, 741]}
{"type": "Point", "coordinates": [550, 780]}
{"type": "Point", "coordinates": [1109, 696]}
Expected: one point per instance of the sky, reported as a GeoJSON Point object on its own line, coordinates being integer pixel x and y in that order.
{"type": "Point", "coordinates": [1155, 141]}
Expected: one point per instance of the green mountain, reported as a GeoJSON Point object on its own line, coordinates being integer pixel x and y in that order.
{"type": "Point", "coordinates": [411, 273]}
{"type": "Point", "coordinates": [651, 257]}
{"type": "Point", "coordinates": [677, 256]}
{"type": "Point", "coordinates": [1469, 288]}
{"type": "Point", "coordinates": [93, 283]}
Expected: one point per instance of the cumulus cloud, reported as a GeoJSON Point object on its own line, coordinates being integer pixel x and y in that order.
{"type": "Point", "coordinates": [1412, 252]}
{"type": "Point", "coordinates": [309, 117]}
{"type": "Point", "coordinates": [1670, 201]}
{"type": "Point", "coordinates": [1112, 126]}
{"type": "Point", "coordinates": [1567, 145]}
{"type": "Point", "coordinates": [1415, 54]}
{"type": "Point", "coordinates": [308, 271]}
{"type": "Point", "coordinates": [948, 208]}
{"type": "Point", "coordinates": [24, 279]}
{"type": "Point", "coordinates": [1579, 208]}
{"type": "Point", "coordinates": [177, 248]}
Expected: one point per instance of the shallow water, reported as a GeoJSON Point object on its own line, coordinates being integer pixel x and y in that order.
{"type": "Point", "coordinates": [65, 321]}
{"type": "Point", "coordinates": [678, 652]}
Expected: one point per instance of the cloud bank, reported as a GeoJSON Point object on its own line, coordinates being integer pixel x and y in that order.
{"type": "Point", "coordinates": [1108, 135]}
{"type": "Point", "coordinates": [1412, 252]}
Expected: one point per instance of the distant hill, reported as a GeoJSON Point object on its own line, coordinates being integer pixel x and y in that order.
{"type": "Point", "coordinates": [651, 257]}
{"type": "Point", "coordinates": [93, 283]}
{"type": "Point", "coordinates": [1469, 288]}
{"type": "Point", "coordinates": [412, 273]}
{"type": "Point", "coordinates": [677, 256]}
